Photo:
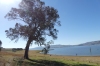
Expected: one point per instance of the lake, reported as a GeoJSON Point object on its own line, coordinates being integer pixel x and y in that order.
{"type": "Point", "coordinates": [92, 50]}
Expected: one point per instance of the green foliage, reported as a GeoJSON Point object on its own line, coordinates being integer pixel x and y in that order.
{"type": "Point", "coordinates": [45, 51]}
{"type": "Point", "coordinates": [47, 47]}
{"type": "Point", "coordinates": [40, 20]}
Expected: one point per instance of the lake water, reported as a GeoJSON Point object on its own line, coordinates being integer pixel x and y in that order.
{"type": "Point", "coordinates": [92, 50]}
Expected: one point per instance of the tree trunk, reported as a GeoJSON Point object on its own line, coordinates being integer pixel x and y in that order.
{"type": "Point", "coordinates": [0, 49]}
{"type": "Point", "coordinates": [27, 49]}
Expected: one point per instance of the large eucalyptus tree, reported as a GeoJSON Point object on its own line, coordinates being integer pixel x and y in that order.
{"type": "Point", "coordinates": [39, 21]}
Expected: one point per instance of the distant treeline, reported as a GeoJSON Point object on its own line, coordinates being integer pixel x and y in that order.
{"type": "Point", "coordinates": [17, 49]}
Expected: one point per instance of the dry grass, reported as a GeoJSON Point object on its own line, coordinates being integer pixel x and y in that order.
{"type": "Point", "coordinates": [77, 59]}
{"type": "Point", "coordinates": [8, 57]}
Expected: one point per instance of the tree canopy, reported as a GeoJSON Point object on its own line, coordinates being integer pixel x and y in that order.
{"type": "Point", "coordinates": [40, 20]}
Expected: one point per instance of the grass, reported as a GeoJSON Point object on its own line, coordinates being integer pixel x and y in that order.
{"type": "Point", "coordinates": [9, 58]}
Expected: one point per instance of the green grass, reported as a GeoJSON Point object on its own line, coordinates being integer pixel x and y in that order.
{"type": "Point", "coordinates": [37, 59]}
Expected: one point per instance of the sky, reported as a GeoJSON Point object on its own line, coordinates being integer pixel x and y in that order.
{"type": "Point", "coordinates": [80, 20]}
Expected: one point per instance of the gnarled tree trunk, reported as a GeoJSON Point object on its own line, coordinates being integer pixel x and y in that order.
{"type": "Point", "coordinates": [27, 49]}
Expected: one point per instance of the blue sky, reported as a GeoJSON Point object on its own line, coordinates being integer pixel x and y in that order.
{"type": "Point", "coordinates": [80, 21]}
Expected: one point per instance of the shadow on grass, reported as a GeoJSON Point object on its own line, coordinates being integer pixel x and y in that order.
{"type": "Point", "coordinates": [51, 63]}
{"type": "Point", "coordinates": [82, 65]}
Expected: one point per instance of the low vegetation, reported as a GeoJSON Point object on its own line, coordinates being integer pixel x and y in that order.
{"type": "Point", "coordinates": [9, 58]}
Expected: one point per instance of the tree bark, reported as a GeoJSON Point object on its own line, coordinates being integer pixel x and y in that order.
{"type": "Point", "coordinates": [27, 49]}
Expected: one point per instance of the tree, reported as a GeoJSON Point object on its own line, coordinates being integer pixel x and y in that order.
{"type": "Point", "coordinates": [39, 20]}
{"type": "Point", "coordinates": [47, 47]}
{"type": "Point", "coordinates": [0, 44]}
{"type": "Point", "coordinates": [48, 44]}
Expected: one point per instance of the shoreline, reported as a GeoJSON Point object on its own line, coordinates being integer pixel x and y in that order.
{"type": "Point", "coordinates": [66, 55]}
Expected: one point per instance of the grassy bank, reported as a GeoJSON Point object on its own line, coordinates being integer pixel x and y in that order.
{"type": "Point", "coordinates": [8, 58]}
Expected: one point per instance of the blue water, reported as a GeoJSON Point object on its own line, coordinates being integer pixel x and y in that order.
{"type": "Point", "coordinates": [79, 50]}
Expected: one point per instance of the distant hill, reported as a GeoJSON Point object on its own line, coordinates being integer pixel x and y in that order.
{"type": "Point", "coordinates": [90, 43]}
{"type": "Point", "coordinates": [51, 46]}
{"type": "Point", "coordinates": [82, 44]}
{"type": "Point", "coordinates": [60, 46]}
